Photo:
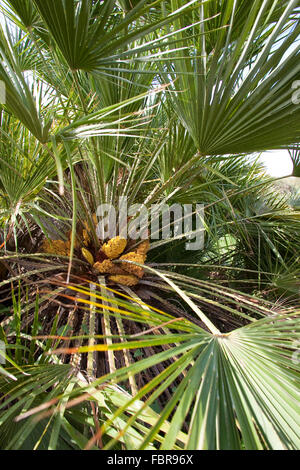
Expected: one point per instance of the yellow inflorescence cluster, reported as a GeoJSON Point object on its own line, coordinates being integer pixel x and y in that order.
{"type": "Point", "coordinates": [132, 268]}
{"type": "Point", "coordinates": [114, 247]}
{"type": "Point", "coordinates": [103, 268]}
{"type": "Point", "coordinates": [126, 272]}
{"type": "Point", "coordinates": [56, 247]}
{"type": "Point", "coordinates": [125, 280]}
{"type": "Point", "coordinates": [86, 237]}
{"type": "Point", "coordinates": [107, 267]}
{"type": "Point", "coordinates": [143, 248]}
{"type": "Point", "coordinates": [86, 231]}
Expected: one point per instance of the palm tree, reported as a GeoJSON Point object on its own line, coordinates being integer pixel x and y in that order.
{"type": "Point", "coordinates": [147, 345]}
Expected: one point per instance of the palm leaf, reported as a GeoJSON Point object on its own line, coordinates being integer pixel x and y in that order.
{"type": "Point", "coordinates": [236, 98]}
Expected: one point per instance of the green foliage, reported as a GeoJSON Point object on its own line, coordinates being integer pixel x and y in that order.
{"type": "Point", "coordinates": [162, 102]}
{"type": "Point", "coordinates": [233, 91]}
